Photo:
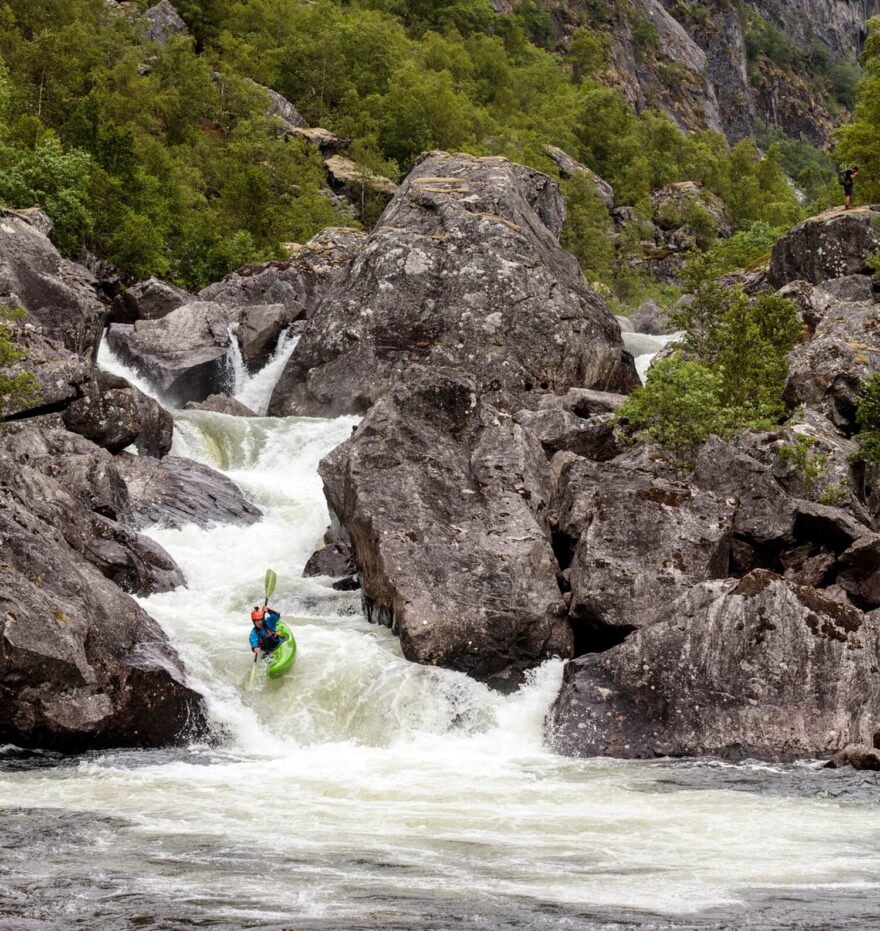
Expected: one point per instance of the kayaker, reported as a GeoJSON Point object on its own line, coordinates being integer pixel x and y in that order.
{"type": "Point", "coordinates": [264, 637]}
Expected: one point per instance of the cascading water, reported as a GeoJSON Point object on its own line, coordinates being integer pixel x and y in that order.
{"type": "Point", "coordinates": [364, 792]}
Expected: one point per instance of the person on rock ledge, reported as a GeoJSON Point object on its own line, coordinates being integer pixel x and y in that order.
{"type": "Point", "coordinates": [264, 637]}
{"type": "Point", "coordinates": [847, 179]}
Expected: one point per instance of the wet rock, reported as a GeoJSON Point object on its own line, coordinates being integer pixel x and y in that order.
{"type": "Point", "coordinates": [637, 541]}
{"type": "Point", "coordinates": [82, 666]}
{"type": "Point", "coordinates": [833, 245]}
{"type": "Point", "coordinates": [301, 282]}
{"type": "Point", "coordinates": [114, 414]}
{"type": "Point", "coordinates": [445, 501]}
{"type": "Point", "coordinates": [73, 485]}
{"type": "Point", "coordinates": [570, 167]}
{"type": "Point", "coordinates": [259, 331]}
{"type": "Point", "coordinates": [752, 668]}
{"type": "Point", "coordinates": [464, 271]}
{"type": "Point", "coordinates": [558, 430]}
{"type": "Point", "coordinates": [858, 756]}
{"type": "Point", "coordinates": [827, 372]}
{"type": "Point", "coordinates": [650, 318]}
{"type": "Point", "coordinates": [148, 300]}
{"type": "Point", "coordinates": [163, 22]}
{"type": "Point", "coordinates": [174, 492]}
{"type": "Point", "coordinates": [221, 404]}
{"type": "Point", "coordinates": [185, 354]}
{"type": "Point", "coordinates": [334, 560]}
{"type": "Point", "coordinates": [58, 295]}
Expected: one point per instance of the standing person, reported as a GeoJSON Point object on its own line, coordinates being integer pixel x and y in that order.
{"type": "Point", "coordinates": [847, 179]}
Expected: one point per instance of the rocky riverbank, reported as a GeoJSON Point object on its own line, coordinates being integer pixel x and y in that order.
{"type": "Point", "coordinates": [485, 502]}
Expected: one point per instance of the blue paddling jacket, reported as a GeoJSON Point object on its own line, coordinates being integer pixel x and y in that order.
{"type": "Point", "coordinates": [270, 624]}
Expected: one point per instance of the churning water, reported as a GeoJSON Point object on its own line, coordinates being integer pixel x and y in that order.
{"type": "Point", "coordinates": [364, 792]}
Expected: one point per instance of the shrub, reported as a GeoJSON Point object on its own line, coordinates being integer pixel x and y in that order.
{"type": "Point", "coordinates": [15, 387]}
{"type": "Point", "coordinates": [868, 422]}
{"type": "Point", "coordinates": [728, 374]}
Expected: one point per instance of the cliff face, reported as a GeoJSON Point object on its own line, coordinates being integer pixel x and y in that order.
{"type": "Point", "coordinates": [730, 67]}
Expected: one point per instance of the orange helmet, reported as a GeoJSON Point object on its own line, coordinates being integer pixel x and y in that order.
{"type": "Point", "coordinates": [258, 614]}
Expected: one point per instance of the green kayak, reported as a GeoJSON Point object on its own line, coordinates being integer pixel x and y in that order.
{"type": "Point", "coordinates": [282, 659]}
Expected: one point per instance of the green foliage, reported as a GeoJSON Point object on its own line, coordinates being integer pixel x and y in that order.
{"type": "Point", "coordinates": [587, 230]}
{"type": "Point", "coordinates": [15, 387]}
{"type": "Point", "coordinates": [810, 466]}
{"type": "Point", "coordinates": [745, 249]}
{"type": "Point", "coordinates": [859, 142]}
{"type": "Point", "coordinates": [868, 421]}
{"type": "Point", "coordinates": [727, 375]}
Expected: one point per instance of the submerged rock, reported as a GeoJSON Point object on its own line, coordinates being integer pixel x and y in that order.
{"type": "Point", "coordinates": [464, 271]}
{"type": "Point", "coordinates": [756, 667]}
{"type": "Point", "coordinates": [82, 666]}
{"type": "Point", "coordinates": [446, 502]}
{"type": "Point", "coordinates": [174, 492]}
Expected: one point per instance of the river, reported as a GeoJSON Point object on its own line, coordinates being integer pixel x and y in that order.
{"type": "Point", "coordinates": [364, 792]}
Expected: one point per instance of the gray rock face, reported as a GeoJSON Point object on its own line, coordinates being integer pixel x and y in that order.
{"type": "Point", "coordinates": [833, 245]}
{"type": "Point", "coordinates": [463, 271]}
{"type": "Point", "coordinates": [184, 353]}
{"type": "Point", "coordinates": [163, 22]}
{"type": "Point", "coordinates": [582, 401]}
{"type": "Point", "coordinates": [174, 492]}
{"type": "Point", "coordinates": [570, 167]}
{"type": "Point", "coordinates": [58, 295]}
{"type": "Point", "coordinates": [638, 540]}
{"type": "Point", "coordinates": [281, 108]}
{"type": "Point", "coordinates": [114, 414]}
{"type": "Point", "coordinates": [73, 485]}
{"type": "Point", "coordinates": [82, 666]}
{"type": "Point", "coordinates": [148, 300]}
{"type": "Point", "coordinates": [757, 667]}
{"type": "Point", "coordinates": [445, 501]}
{"type": "Point", "coordinates": [652, 319]}
{"type": "Point", "coordinates": [301, 282]}
{"type": "Point", "coordinates": [672, 203]}
{"type": "Point", "coordinates": [558, 429]}
{"type": "Point", "coordinates": [826, 373]}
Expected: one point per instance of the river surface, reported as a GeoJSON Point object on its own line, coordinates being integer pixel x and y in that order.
{"type": "Point", "coordinates": [364, 792]}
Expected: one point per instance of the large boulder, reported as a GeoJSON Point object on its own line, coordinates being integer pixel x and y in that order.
{"type": "Point", "coordinates": [300, 282]}
{"type": "Point", "coordinates": [114, 414]}
{"type": "Point", "coordinates": [833, 245]}
{"type": "Point", "coordinates": [826, 373]}
{"type": "Point", "coordinates": [185, 354]}
{"type": "Point", "coordinates": [465, 271]}
{"type": "Point", "coordinates": [82, 666]}
{"type": "Point", "coordinates": [58, 295]}
{"type": "Point", "coordinates": [756, 667]}
{"type": "Point", "coordinates": [221, 404]}
{"type": "Point", "coordinates": [445, 501]}
{"type": "Point", "coordinates": [148, 300]}
{"type": "Point", "coordinates": [163, 22]}
{"type": "Point", "coordinates": [74, 486]}
{"type": "Point", "coordinates": [174, 492]}
{"type": "Point", "coordinates": [638, 539]}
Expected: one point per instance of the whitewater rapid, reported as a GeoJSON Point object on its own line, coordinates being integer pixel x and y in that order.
{"type": "Point", "coordinates": [362, 791]}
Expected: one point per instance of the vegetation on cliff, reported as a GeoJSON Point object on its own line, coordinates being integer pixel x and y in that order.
{"type": "Point", "coordinates": [160, 157]}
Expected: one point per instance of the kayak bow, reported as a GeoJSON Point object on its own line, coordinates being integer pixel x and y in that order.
{"type": "Point", "coordinates": [282, 658]}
